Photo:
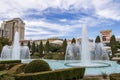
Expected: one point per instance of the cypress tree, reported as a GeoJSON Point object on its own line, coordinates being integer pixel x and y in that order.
{"type": "Point", "coordinates": [41, 48]}
{"type": "Point", "coordinates": [73, 41]}
{"type": "Point", "coordinates": [113, 45]}
{"type": "Point", "coordinates": [97, 40]}
{"type": "Point", "coordinates": [29, 46]}
{"type": "Point", "coordinates": [47, 46]}
{"type": "Point", "coordinates": [64, 45]}
{"type": "Point", "coordinates": [33, 48]}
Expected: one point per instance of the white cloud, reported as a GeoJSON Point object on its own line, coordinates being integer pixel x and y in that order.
{"type": "Point", "coordinates": [49, 27]}
{"type": "Point", "coordinates": [107, 9]}
{"type": "Point", "coordinates": [101, 9]}
{"type": "Point", "coordinates": [19, 8]}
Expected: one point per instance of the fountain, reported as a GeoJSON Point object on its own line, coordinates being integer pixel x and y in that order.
{"type": "Point", "coordinates": [83, 54]}
{"type": "Point", "coordinates": [15, 52]}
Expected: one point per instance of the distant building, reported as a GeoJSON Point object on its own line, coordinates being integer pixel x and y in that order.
{"type": "Point", "coordinates": [8, 28]}
{"type": "Point", "coordinates": [105, 35]}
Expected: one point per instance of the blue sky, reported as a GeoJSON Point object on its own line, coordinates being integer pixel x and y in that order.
{"type": "Point", "coordinates": [63, 18]}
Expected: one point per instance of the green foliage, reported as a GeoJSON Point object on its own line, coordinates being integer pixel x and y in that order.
{"type": "Point", "coordinates": [29, 46]}
{"type": "Point", "coordinates": [37, 66]}
{"type": "Point", "coordinates": [62, 74]}
{"type": "Point", "coordinates": [17, 69]}
{"type": "Point", "coordinates": [64, 46]}
{"type": "Point", "coordinates": [7, 64]}
{"type": "Point", "coordinates": [47, 47]}
{"type": "Point", "coordinates": [73, 40]}
{"type": "Point", "coordinates": [9, 61]}
{"type": "Point", "coordinates": [55, 56]}
{"type": "Point", "coordinates": [33, 48]}
{"type": "Point", "coordinates": [113, 45]}
{"type": "Point", "coordinates": [3, 42]}
{"type": "Point", "coordinates": [55, 48]}
{"type": "Point", "coordinates": [41, 49]}
{"type": "Point", "coordinates": [115, 76]}
{"type": "Point", "coordinates": [91, 78]}
{"type": "Point", "coordinates": [97, 40]}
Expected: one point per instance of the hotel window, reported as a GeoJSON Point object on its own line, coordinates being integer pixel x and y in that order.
{"type": "Point", "coordinates": [104, 38]}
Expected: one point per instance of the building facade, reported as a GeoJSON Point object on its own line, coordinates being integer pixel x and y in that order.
{"type": "Point", "coordinates": [8, 28]}
{"type": "Point", "coordinates": [105, 35]}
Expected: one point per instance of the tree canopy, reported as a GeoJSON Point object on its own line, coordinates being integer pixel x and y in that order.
{"type": "Point", "coordinates": [97, 40]}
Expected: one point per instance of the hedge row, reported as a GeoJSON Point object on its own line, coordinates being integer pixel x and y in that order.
{"type": "Point", "coordinates": [62, 74]}
{"type": "Point", "coordinates": [9, 61]}
{"type": "Point", "coordinates": [7, 64]}
{"type": "Point", "coordinates": [16, 69]}
{"type": "Point", "coordinates": [91, 79]}
{"type": "Point", "coordinates": [115, 76]}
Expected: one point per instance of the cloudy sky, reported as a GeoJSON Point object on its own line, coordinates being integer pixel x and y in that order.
{"type": "Point", "coordinates": [63, 18]}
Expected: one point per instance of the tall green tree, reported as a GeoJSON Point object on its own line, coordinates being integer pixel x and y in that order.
{"type": "Point", "coordinates": [97, 40]}
{"type": "Point", "coordinates": [3, 42]}
{"type": "Point", "coordinates": [41, 48]}
{"type": "Point", "coordinates": [33, 48]}
{"type": "Point", "coordinates": [64, 46]}
{"type": "Point", "coordinates": [47, 47]}
{"type": "Point", "coordinates": [29, 46]}
{"type": "Point", "coordinates": [73, 41]}
{"type": "Point", "coordinates": [113, 45]}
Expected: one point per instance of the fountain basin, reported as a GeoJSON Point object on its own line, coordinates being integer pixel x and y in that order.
{"type": "Point", "coordinates": [92, 64]}
{"type": "Point", "coordinates": [60, 64]}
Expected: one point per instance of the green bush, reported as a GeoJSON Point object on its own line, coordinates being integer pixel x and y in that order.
{"type": "Point", "coordinates": [35, 57]}
{"type": "Point", "coordinates": [91, 78]}
{"type": "Point", "coordinates": [62, 74]}
{"type": "Point", "coordinates": [37, 66]}
{"type": "Point", "coordinates": [7, 64]}
{"type": "Point", "coordinates": [17, 69]}
{"type": "Point", "coordinates": [10, 61]}
{"type": "Point", "coordinates": [55, 56]}
{"type": "Point", "coordinates": [115, 76]}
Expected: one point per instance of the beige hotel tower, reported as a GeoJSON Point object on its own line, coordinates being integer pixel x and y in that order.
{"type": "Point", "coordinates": [8, 28]}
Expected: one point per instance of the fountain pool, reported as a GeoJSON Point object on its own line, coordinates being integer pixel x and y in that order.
{"type": "Point", "coordinates": [84, 55]}
{"type": "Point", "coordinates": [60, 64]}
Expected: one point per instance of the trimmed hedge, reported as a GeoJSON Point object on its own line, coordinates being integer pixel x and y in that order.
{"type": "Point", "coordinates": [115, 76]}
{"type": "Point", "coordinates": [17, 69]}
{"type": "Point", "coordinates": [9, 61]}
{"type": "Point", "coordinates": [37, 66]}
{"type": "Point", "coordinates": [62, 74]}
{"type": "Point", "coordinates": [7, 64]}
{"type": "Point", "coordinates": [3, 73]}
{"type": "Point", "coordinates": [91, 79]}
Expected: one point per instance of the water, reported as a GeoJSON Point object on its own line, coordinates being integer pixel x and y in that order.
{"type": "Point", "coordinates": [15, 52]}
{"type": "Point", "coordinates": [16, 47]}
{"type": "Point", "coordinates": [59, 64]}
{"type": "Point", "coordinates": [85, 53]}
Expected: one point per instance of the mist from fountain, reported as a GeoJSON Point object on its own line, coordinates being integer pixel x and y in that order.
{"type": "Point", "coordinates": [15, 52]}
{"type": "Point", "coordinates": [16, 47]}
{"type": "Point", "coordinates": [87, 54]}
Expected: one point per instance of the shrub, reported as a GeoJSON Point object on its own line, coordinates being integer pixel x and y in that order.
{"type": "Point", "coordinates": [115, 76]}
{"type": "Point", "coordinates": [37, 66]}
{"type": "Point", "coordinates": [7, 64]}
{"type": "Point", "coordinates": [91, 78]}
{"type": "Point", "coordinates": [61, 74]}
{"type": "Point", "coordinates": [55, 56]}
{"type": "Point", "coordinates": [10, 61]}
{"type": "Point", "coordinates": [17, 69]}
